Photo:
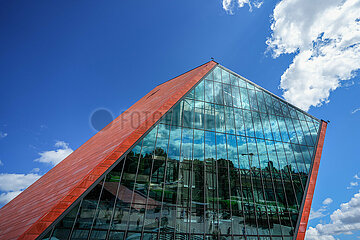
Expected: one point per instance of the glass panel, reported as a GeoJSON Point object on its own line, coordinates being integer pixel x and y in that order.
{"type": "Point", "coordinates": [199, 91]}
{"type": "Point", "coordinates": [209, 91]}
{"type": "Point", "coordinates": [235, 169]}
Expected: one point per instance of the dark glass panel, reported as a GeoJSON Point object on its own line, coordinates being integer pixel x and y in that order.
{"type": "Point", "coordinates": [63, 228]}
{"type": "Point", "coordinates": [209, 116]}
{"type": "Point", "coordinates": [218, 93]}
{"type": "Point", "coordinates": [239, 122]}
{"type": "Point", "coordinates": [188, 113]}
{"type": "Point", "coordinates": [191, 94]}
{"type": "Point", "coordinates": [156, 182]}
{"type": "Point", "coordinates": [209, 91]}
{"type": "Point", "coordinates": [172, 182]}
{"type": "Point", "coordinates": [220, 118]}
{"type": "Point", "coordinates": [167, 118]}
{"type": "Point", "coordinates": [199, 91]}
{"type": "Point", "coordinates": [87, 212]}
{"type": "Point", "coordinates": [177, 114]}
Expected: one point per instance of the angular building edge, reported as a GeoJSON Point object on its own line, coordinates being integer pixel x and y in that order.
{"type": "Point", "coordinates": [302, 226]}
{"type": "Point", "coordinates": [48, 217]}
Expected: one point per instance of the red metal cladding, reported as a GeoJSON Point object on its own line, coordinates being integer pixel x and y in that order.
{"type": "Point", "coordinates": [311, 188]}
{"type": "Point", "coordinates": [30, 213]}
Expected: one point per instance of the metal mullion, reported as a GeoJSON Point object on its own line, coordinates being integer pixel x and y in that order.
{"type": "Point", "coordinates": [117, 193]}
{"type": "Point", "coordinates": [262, 180]}
{"type": "Point", "coordinates": [148, 193]}
{"type": "Point", "coordinates": [290, 170]}
{"type": "Point", "coordinates": [270, 171]}
{"type": "Point", "coordinates": [97, 207]}
{"type": "Point", "coordinates": [241, 187]}
{"type": "Point", "coordinates": [229, 188]}
{"type": "Point", "coordinates": [192, 167]}
{"type": "Point", "coordinates": [252, 181]}
{"type": "Point", "coordinates": [166, 161]}
{"type": "Point", "coordinates": [179, 170]}
{"type": "Point", "coordinates": [280, 171]}
{"type": "Point", "coordinates": [216, 165]}
{"type": "Point", "coordinates": [132, 195]}
{"type": "Point", "coordinates": [250, 171]}
{"type": "Point", "coordinates": [52, 232]}
{"type": "Point", "coordinates": [204, 183]}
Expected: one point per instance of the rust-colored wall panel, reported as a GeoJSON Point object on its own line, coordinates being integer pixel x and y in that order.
{"type": "Point", "coordinates": [28, 215]}
{"type": "Point", "coordinates": [312, 182]}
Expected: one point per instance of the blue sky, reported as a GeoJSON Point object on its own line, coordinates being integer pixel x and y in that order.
{"type": "Point", "coordinates": [61, 61]}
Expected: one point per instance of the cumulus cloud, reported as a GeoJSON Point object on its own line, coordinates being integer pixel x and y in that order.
{"type": "Point", "coordinates": [344, 220]}
{"type": "Point", "coordinates": [324, 35]}
{"type": "Point", "coordinates": [327, 201]}
{"type": "Point", "coordinates": [356, 177]}
{"type": "Point", "coordinates": [229, 5]}
{"type": "Point", "coordinates": [55, 156]}
{"type": "Point", "coordinates": [3, 134]}
{"type": "Point", "coordinates": [12, 184]}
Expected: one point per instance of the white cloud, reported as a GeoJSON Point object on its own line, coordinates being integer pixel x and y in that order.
{"type": "Point", "coordinates": [356, 177]}
{"type": "Point", "coordinates": [3, 134]}
{"type": "Point", "coordinates": [322, 211]}
{"type": "Point", "coordinates": [325, 36]}
{"type": "Point", "coordinates": [12, 184]}
{"type": "Point", "coordinates": [352, 185]}
{"type": "Point", "coordinates": [55, 156]}
{"type": "Point", "coordinates": [35, 170]}
{"type": "Point", "coordinates": [327, 201]}
{"type": "Point", "coordinates": [344, 220]}
{"type": "Point", "coordinates": [1, 163]}
{"type": "Point", "coordinates": [8, 196]}
{"type": "Point", "coordinates": [355, 110]}
{"type": "Point", "coordinates": [228, 5]}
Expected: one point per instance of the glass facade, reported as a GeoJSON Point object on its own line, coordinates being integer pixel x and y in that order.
{"type": "Point", "coordinates": [229, 161]}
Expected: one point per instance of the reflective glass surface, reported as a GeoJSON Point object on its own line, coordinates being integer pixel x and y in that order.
{"type": "Point", "coordinates": [229, 161]}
